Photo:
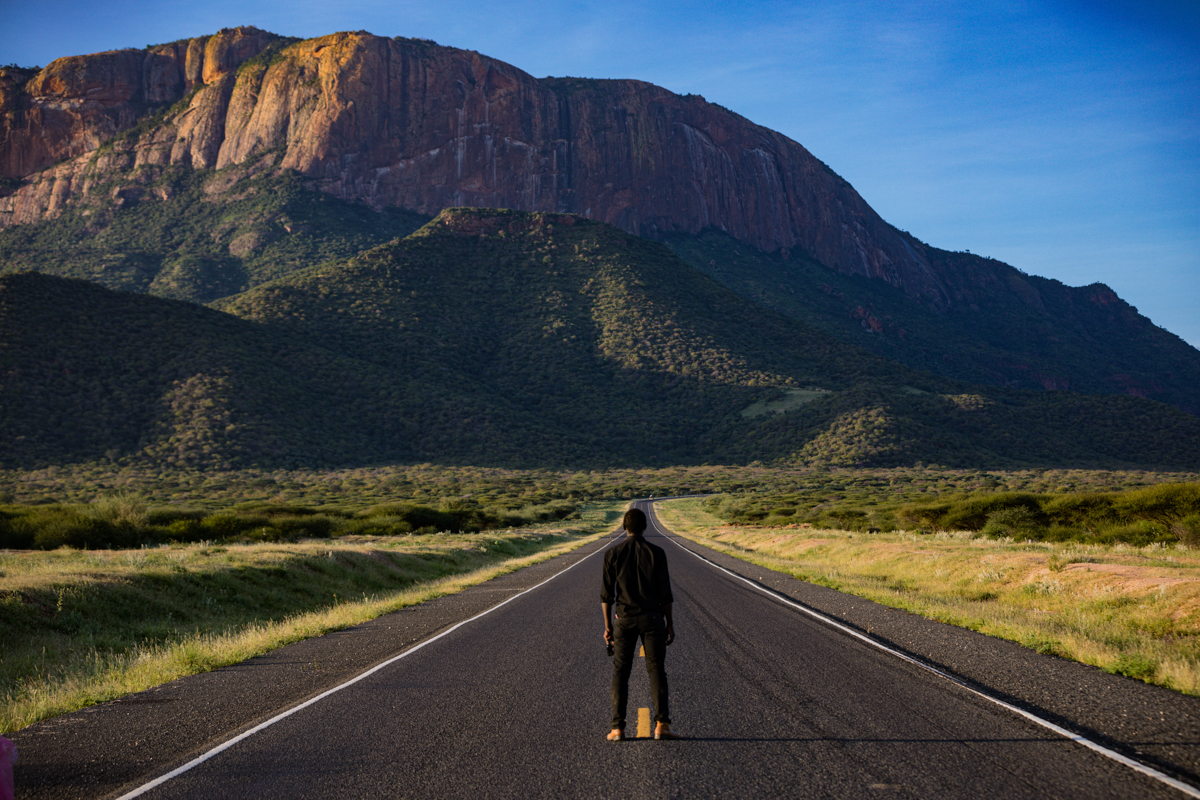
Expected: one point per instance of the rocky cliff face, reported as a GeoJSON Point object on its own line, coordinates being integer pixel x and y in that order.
{"type": "Point", "coordinates": [76, 104]}
{"type": "Point", "coordinates": [413, 124]}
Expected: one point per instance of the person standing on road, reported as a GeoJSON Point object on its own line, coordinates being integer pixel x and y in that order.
{"type": "Point", "coordinates": [635, 580]}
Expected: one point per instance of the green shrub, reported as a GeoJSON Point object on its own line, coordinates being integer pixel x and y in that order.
{"type": "Point", "coordinates": [317, 526]}
{"type": "Point", "coordinates": [973, 514]}
{"type": "Point", "coordinates": [1016, 521]}
{"type": "Point", "coordinates": [418, 516]}
{"type": "Point", "coordinates": [1163, 503]}
{"type": "Point", "coordinates": [1135, 665]}
{"type": "Point", "coordinates": [229, 526]}
{"type": "Point", "coordinates": [167, 516]}
{"type": "Point", "coordinates": [1139, 534]}
{"type": "Point", "coordinates": [186, 530]}
{"type": "Point", "coordinates": [70, 528]}
{"type": "Point", "coordinates": [1085, 510]}
{"type": "Point", "coordinates": [924, 516]}
{"type": "Point", "coordinates": [125, 511]}
{"type": "Point", "coordinates": [1187, 530]}
{"type": "Point", "coordinates": [13, 534]}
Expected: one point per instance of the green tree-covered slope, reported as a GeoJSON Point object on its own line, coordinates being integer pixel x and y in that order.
{"type": "Point", "coordinates": [1002, 327]}
{"type": "Point", "coordinates": [509, 339]}
{"type": "Point", "coordinates": [199, 235]}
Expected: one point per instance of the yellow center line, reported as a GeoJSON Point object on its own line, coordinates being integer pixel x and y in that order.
{"type": "Point", "coordinates": [643, 723]}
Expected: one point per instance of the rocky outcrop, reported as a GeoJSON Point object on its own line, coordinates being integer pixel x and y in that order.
{"type": "Point", "coordinates": [76, 104]}
{"type": "Point", "coordinates": [413, 124]}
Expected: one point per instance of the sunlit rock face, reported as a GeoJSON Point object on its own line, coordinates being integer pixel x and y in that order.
{"type": "Point", "coordinates": [410, 123]}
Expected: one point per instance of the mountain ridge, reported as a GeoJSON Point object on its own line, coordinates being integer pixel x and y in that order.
{"type": "Point", "coordinates": [405, 123]}
{"type": "Point", "coordinates": [414, 124]}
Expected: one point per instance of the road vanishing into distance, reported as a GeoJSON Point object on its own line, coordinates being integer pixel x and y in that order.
{"type": "Point", "coordinates": [504, 693]}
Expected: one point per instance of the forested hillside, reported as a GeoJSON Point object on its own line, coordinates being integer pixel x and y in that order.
{"type": "Point", "coordinates": [509, 339]}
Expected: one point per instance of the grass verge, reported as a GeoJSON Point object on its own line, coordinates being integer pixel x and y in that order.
{"type": "Point", "coordinates": [81, 627]}
{"type": "Point", "coordinates": [1128, 610]}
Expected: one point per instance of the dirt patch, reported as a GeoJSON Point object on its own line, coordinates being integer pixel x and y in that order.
{"type": "Point", "coordinates": [1132, 579]}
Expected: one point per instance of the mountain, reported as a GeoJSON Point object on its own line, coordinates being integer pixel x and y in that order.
{"type": "Point", "coordinates": [401, 122]}
{"type": "Point", "coordinates": [502, 338]}
{"type": "Point", "coordinates": [199, 134]}
{"type": "Point", "coordinates": [1006, 328]}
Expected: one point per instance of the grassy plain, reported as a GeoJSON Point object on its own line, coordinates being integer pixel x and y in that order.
{"type": "Point", "coordinates": [81, 627]}
{"type": "Point", "coordinates": [1128, 610]}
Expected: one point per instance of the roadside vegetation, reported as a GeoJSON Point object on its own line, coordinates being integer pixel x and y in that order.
{"type": "Point", "coordinates": [354, 498]}
{"type": "Point", "coordinates": [186, 569]}
{"type": "Point", "coordinates": [1130, 609]}
{"type": "Point", "coordinates": [122, 521]}
{"type": "Point", "coordinates": [78, 627]}
{"type": "Point", "coordinates": [1165, 514]}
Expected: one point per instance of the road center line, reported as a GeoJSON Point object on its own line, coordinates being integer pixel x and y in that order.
{"type": "Point", "coordinates": [198, 760]}
{"type": "Point", "coordinates": [1137, 766]}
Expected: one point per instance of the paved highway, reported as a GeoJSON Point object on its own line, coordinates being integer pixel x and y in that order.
{"type": "Point", "coordinates": [773, 704]}
{"type": "Point", "coordinates": [501, 701]}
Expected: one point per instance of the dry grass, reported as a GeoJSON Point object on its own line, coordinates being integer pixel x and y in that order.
{"type": "Point", "coordinates": [1132, 611]}
{"type": "Point", "coordinates": [83, 638]}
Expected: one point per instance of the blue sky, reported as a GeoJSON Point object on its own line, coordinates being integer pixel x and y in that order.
{"type": "Point", "coordinates": [1062, 137]}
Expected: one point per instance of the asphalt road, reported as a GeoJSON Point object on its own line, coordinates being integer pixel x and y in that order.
{"type": "Point", "coordinates": [772, 702]}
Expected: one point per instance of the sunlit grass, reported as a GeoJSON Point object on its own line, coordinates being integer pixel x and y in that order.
{"type": "Point", "coordinates": [1129, 610]}
{"type": "Point", "coordinates": [81, 627]}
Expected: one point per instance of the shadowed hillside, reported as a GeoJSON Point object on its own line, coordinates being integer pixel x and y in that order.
{"type": "Point", "coordinates": [509, 339]}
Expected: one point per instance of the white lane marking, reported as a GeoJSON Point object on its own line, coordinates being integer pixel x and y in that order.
{"type": "Point", "coordinates": [285, 714]}
{"type": "Point", "coordinates": [1137, 766]}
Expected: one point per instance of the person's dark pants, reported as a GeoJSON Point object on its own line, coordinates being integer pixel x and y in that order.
{"type": "Point", "coordinates": [652, 630]}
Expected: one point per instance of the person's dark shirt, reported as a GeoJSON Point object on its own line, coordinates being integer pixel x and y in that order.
{"type": "Point", "coordinates": [635, 578]}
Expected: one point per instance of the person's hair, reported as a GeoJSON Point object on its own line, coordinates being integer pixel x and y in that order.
{"type": "Point", "coordinates": [634, 522]}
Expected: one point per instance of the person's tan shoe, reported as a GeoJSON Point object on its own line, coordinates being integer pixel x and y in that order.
{"type": "Point", "coordinates": [616, 735]}
{"type": "Point", "coordinates": [663, 731]}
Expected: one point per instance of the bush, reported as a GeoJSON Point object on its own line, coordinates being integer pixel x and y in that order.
{"type": "Point", "coordinates": [229, 526]}
{"type": "Point", "coordinates": [1164, 503]}
{"type": "Point", "coordinates": [1019, 522]}
{"type": "Point", "coordinates": [1139, 534]}
{"type": "Point", "coordinates": [975, 513]}
{"type": "Point", "coordinates": [165, 517]}
{"type": "Point", "coordinates": [70, 528]}
{"type": "Point", "coordinates": [317, 526]}
{"type": "Point", "coordinates": [123, 511]}
{"type": "Point", "coordinates": [13, 534]}
{"type": "Point", "coordinates": [417, 516]}
{"type": "Point", "coordinates": [1187, 530]}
